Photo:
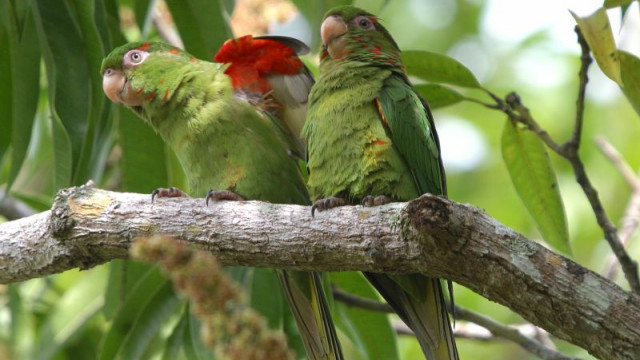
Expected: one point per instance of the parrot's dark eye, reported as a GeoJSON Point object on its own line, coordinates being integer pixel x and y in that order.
{"type": "Point", "coordinates": [364, 23]}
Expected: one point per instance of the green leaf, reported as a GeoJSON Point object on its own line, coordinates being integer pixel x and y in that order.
{"type": "Point", "coordinates": [99, 127]}
{"type": "Point", "coordinates": [438, 68]}
{"type": "Point", "coordinates": [266, 297]}
{"type": "Point", "coordinates": [314, 12]}
{"type": "Point", "coordinates": [71, 312]}
{"type": "Point", "coordinates": [144, 164]}
{"type": "Point", "coordinates": [201, 24]}
{"type": "Point", "coordinates": [369, 332]}
{"type": "Point", "coordinates": [535, 181]}
{"type": "Point", "coordinates": [175, 340]}
{"type": "Point", "coordinates": [438, 96]}
{"type": "Point", "coordinates": [157, 309]}
{"type": "Point", "coordinates": [124, 277]}
{"type": "Point", "coordinates": [146, 287]}
{"type": "Point", "coordinates": [615, 3]}
{"type": "Point", "coordinates": [22, 332]}
{"type": "Point", "coordinates": [19, 82]}
{"type": "Point", "coordinates": [597, 32]}
{"type": "Point", "coordinates": [630, 71]}
{"type": "Point", "coordinates": [69, 89]}
{"type": "Point", "coordinates": [143, 10]}
{"type": "Point", "coordinates": [7, 39]}
{"type": "Point", "coordinates": [193, 347]}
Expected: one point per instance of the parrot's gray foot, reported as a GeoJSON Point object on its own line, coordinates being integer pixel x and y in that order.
{"type": "Point", "coordinates": [326, 204]}
{"type": "Point", "coordinates": [219, 195]}
{"type": "Point", "coordinates": [370, 200]}
{"type": "Point", "coordinates": [167, 192]}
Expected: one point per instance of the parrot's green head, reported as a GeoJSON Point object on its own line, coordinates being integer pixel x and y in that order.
{"type": "Point", "coordinates": [350, 33]}
{"type": "Point", "coordinates": [144, 72]}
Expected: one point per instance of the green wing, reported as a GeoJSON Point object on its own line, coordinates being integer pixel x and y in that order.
{"type": "Point", "coordinates": [410, 126]}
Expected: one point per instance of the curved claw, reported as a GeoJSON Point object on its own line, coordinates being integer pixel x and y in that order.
{"type": "Point", "coordinates": [167, 192]}
{"type": "Point", "coordinates": [217, 195]}
{"type": "Point", "coordinates": [326, 204]}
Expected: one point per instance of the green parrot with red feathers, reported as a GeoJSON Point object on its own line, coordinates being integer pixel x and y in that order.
{"type": "Point", "coordinates": [234, 124]}
{"type": "Point", "coordinates": [371, 139]}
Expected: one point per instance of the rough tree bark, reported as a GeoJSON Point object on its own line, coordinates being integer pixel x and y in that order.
{"type": "Point", "coordinates": [430, 235]}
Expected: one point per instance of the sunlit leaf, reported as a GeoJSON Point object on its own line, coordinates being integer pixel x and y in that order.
{"type": "Point", "coordinates": [72, 312]}
{"type": "Point", "coordinates": [438, 96]}
{"type": "Point", "coordinates": [194, 349]}
{"type": "Point", "coordinates": [535, 181]}
{"type": "Point", "coordinates": [201, 25]}
{"type": "Point", "coordinates": [615, 3]}
{"type": "Point", "coordinates": [438, 68]}
{"type": "Point", "coordinates": [369, 331]}
{"type": "Point", "coordinates": [175, 341]}
{"type": "Point", "coordinates": [630, 71]}
{"type": "Point", "coordinates": [597, 32]}
{"type": "Point", "coordinates": [22, 330]}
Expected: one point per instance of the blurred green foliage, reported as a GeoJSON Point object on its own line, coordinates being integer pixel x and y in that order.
{"type": "Point", "coordinates": [57, 130]}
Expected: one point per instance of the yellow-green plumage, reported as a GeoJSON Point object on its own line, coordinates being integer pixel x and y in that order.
{"type": "Point", "coordinates": [370, 134]}
{"type": "Point", "coordinates": [224, 142]}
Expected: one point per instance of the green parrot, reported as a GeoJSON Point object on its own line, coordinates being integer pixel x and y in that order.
{"type": "Point", "coordinates": [371, 140]}
{"type": "Point", "coordinates": [231, 132]}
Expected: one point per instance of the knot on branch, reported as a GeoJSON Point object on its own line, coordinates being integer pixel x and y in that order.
{"type": "Point", "coordinates": [428, 212]}
{"type": "Point", "coordinates": [61, 222]}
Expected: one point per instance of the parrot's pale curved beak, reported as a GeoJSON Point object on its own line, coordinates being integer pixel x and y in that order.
{"type": "Point", "coordinates": [118, 89]}
{"type": "Point", "coordinates": [332, 30]}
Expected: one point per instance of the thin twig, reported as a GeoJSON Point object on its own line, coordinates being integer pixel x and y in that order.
{"type": "Point", "coordinates": [516, 111]}
{"type": "Point", "coordinates": [360, 302]}
{"type": "Point", "coordinates": [631, 218]}
{"type": "Point", "coordinates": [534, 346]}
{"type": "Point", "coordinates": [619, 162]}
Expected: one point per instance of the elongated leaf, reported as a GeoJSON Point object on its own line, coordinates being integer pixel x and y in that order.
{"type": "Point", "coordinates": [144, 164]}
{"type": "Point", "coordinates": [438, 68]}
{"type": "Point", "coordinates": [370, 332]}
{"type": "Point", "coordinates": [193, 347]}
{"type": "Point", "coordinates": [630, 71]}
{"type": "Point", "coordinates": [535, 181]}
{"type": "Point", "coordinates": [266, 297]}
{"type": "Point", "coordinates": [99, 128]}
{"type": "Point", "coordinates": [72, 312]}
{"type": "Point", "coordinates": [19, 81]}
{"type": "Point", "coordinates": [175, 340]}
{"type": "Point", "coordinates": [7, 23]}
{"type": "Point", "coordinates": [201, 25]}
{"type": "Point", "coordinates": [134, 304]}
{"type": "Point", "coordinates": [439, 96]}
{"type": "Point", "coordinates": [162, 303]}
{"type": "Point", "coordinates": [23, 325]}
{"type": "Point", "coordinates": [69, 89]}
{"type": "Point", "coordinates": [124, 278]}
{"type": "Point", "coordinates": [597, 31]}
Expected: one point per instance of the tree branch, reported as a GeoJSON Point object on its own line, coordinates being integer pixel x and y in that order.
{"type": "Point", "coordinates": [430, 235]}
{"type": "Point", "coordinates": [482, 327]}
{"type": "Point", "coordinates": [515, 109]}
